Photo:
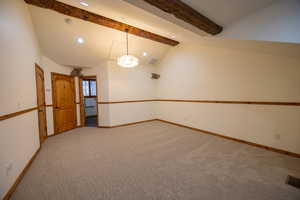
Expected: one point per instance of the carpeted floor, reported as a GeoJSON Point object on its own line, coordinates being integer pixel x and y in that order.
{"type": "Point", "coordinates": [155, 161]}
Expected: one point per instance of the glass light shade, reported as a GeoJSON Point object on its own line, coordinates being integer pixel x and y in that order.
{"type": "Point", "coordinates": [128, 61]}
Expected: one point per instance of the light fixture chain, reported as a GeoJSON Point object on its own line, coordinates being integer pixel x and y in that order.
{"type": "Point", "coordinates": [128, 61]}
{"type": "Point", "coordinates": [127, 41]}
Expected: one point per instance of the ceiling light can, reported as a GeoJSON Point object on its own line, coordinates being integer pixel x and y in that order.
{"type": "Point", "coordinates": [84, 3]}
{"type": "Point", "coordinates": [80, 40]}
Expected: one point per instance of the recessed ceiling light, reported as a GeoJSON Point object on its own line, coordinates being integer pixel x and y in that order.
{"type": "Point", "coordinates": [80, 40]}
{"type": "Point", "coordinates": [173, 36]}
{"type": "Point", "coordinates": [84, 3]}
{"type": "Point", "coordinates": [145, 53]}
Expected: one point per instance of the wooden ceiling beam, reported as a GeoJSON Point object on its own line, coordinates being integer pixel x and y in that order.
{"type": "Point", "coordinates": [186, 13]}
{"type": "Point", "coordinates": [100, 20]}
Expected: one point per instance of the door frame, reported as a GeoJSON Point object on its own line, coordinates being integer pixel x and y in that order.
{"type": "Point", "coordinates": [81, 98]}
{"type": "Point", "coordinates": [54, 100]}
{"type": "Point", "coordinates": [37, 67]}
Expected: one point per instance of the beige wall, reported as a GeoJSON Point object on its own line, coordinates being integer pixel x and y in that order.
{"type": "Point", "coordinates": [228, 74]}
{"type": "Point", "coordinates": [120, 84]}
{"type": "Point", "coordinates": [19, 138]}
{"type": "Point", "coordinates": [77, 100]}
{"type": "Point", "coordinates": [131, 84]}
{"type": "Point", "coordinates": [205, 73]}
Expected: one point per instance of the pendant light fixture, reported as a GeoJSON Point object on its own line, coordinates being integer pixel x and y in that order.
{"type": "Point", "coordinates": [127, 61]}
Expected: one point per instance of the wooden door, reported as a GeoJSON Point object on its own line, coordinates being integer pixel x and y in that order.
{"type": "Point", "coordinates": [64, 106]}
{"type": "Point", "coordinates": [40, 91]}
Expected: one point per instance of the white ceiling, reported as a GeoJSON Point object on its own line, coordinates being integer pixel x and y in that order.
{"type": "Point", "coordinates": [58, 39]}
{"type": "Point", "coordinates": [125, 12]}
{"type": "Point", "coordinates": [222, 12]}
{"type": "Point", "coordinates": [225, 12]}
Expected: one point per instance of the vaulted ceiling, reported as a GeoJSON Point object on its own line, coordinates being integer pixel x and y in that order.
{"type": "Point", "coordinates": [223, 13]}
{"type": "Point", "coordinates": [58, 41]}
{"type": "Point", "coordinates": [229, 11]}
{"type": "Point", "coordinates": [57, 37]}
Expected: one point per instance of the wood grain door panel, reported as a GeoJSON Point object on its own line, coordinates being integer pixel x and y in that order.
{"type": "Point", "coordinates": [64, 120]}
{"type": "Point", "coordinates": [64, 102]}
{"type": "Point", "coordinates": [40, 91]}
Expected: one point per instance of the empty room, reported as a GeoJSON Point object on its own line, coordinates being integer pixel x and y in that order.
{"type": "Point", "coordinates": [149, 100]}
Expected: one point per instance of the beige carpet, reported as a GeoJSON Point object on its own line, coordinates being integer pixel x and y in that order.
{"type": "Point", "coordinates": [155, 161]}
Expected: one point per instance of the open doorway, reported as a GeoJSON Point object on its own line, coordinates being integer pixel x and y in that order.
{"type": "Point", "coordinates": [88, 101]}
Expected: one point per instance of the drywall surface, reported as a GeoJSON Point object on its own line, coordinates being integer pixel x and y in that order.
{"type": "Point", "coordinates": [278, 22]}
{"type": "Point", "coordinates": [127, 85]}
{"type": "Point", "coordinates": [202, 72]}
{"type": "Point", "coordinates": [121, 84]}
{"type": "Point", "coordinates": [131, 83]}
{"type": "Point", "coordinates": [19, 141]}
{"type": "Point", "coordinates": [19, 53]}
{"type": "Point", "coordinates": [76, 82]}
{"type": "Point", "coordinates": [205, 73]}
